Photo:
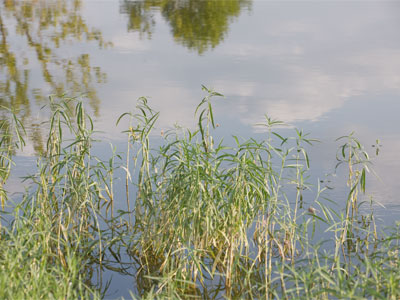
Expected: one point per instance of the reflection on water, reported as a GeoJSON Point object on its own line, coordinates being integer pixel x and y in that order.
{"type": "Point", "coordinates": [327, 67]}
{"type": "Point", "coordinates": [197, 25]}
{"type": "Point", "coordinates": [33, 62]}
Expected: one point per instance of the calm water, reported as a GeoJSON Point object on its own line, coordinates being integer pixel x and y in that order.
{"type": "Point", "coordinates": [329, 67]}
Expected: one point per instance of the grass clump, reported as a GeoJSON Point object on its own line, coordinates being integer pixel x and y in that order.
{"type": "Point", "coordinates": [29, 269]}
{"type": "Point", "coordinates": [48, 248]}
{"type": "Point", "coordinates": [215, 221]}
{"type": "Point", "coordinates": [201, 219]}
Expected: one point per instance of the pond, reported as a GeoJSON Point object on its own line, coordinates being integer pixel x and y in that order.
{"type": "Point", "coordinates": [329, 68]}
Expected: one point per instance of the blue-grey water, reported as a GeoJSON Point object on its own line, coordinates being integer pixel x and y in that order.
{"type": "Point", "coordinates": [327, 67]}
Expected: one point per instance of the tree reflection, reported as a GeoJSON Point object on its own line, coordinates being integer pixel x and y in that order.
{"type": "Point", "coordinates": [199, 25]}
{"type": "Point", "coordinates": [33, 36]}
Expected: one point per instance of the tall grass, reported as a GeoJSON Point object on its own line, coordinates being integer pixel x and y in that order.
{"type": "Point", "coordinates": [202, 219]}
{"type": "Point", "coordinates": [214, 221]}
{"type": "Point", "coordinates": [49, 248]}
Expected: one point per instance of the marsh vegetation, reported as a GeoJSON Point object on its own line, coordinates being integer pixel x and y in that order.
{"type": "Point", "coordinates": [200, 219]}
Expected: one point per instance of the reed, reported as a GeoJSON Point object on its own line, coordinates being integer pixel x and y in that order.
{"type": "Point", "coordinates": [202, 219]}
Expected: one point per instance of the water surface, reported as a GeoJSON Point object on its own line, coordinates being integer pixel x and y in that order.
{"type": "Point", "coordinates": [329, 67]}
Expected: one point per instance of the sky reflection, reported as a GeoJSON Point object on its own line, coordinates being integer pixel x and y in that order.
{"type": "Point", "coordinates": [328, 67]}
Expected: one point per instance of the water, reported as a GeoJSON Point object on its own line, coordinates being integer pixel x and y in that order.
{"type": "Point", "coordinates": [327, 67]}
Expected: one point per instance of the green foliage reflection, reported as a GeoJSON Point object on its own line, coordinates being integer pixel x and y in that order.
{"type": "Point", "coordinates": [33, 60]}
{"type": "Point", "coordinates": [198, 25]}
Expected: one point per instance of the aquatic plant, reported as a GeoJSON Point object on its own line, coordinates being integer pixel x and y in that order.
{"type": "Point", "coordinates": [201, 220]}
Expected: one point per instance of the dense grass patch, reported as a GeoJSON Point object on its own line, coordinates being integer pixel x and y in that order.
{"type": "Point", "coordinates": [201, 219]}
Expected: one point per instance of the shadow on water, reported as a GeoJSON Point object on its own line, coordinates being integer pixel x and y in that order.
{"type": "Point", "coordinates": [198, 25]}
